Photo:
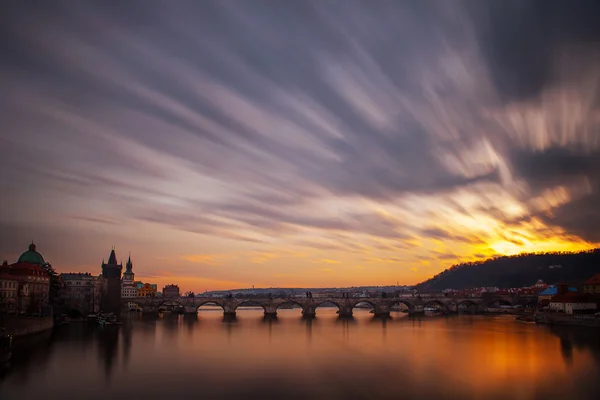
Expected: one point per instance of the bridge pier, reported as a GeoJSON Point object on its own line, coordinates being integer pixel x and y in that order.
{"type": "Point", "coordinates": [270, 310]}
{"type": "Point", "coordinates": [309, 311]}
{"type": "Point", "coordinates": [417, 309]}
{"type": "Point", "coordinates": [381, 311]}
{"type": "Point", "coordinates": [345, 311]}
{"type": "Point", "coordinates": [229, 309]}
{"type": "Point", "coordinates": [190, 310]}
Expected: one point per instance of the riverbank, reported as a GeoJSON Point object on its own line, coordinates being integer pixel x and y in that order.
{"type": "Point", "coordinates": [19, 326]}
{"type": "Point", "coordinates": [548, 318]}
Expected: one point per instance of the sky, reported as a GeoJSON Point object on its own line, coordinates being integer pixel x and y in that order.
{"type": "Point", "coordinates": [297, 143]}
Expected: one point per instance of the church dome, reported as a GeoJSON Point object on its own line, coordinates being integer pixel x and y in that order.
{"type": "Point", "coordinates": [31, 256]}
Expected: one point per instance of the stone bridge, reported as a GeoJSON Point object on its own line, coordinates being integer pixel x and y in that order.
{"type": "Point", "coordinates": [381, 305]}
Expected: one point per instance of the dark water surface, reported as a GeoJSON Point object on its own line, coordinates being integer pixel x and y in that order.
{"type": "Point", "coordinates": [461, 357]}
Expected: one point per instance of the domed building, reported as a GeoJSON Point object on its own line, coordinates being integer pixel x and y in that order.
{"type": "Point", "coordinates": [31, 256]}
{"type": "Point", "coordinates": [27, 283]}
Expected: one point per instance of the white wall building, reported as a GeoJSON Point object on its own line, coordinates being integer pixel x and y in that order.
{"type": "Point", "coordinates": [128, 286]}
{"type": "Point", "coordinates": [573, 302]}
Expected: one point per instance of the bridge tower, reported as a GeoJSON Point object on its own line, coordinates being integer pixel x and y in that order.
{"type": "Point", "coordinates": [111, 272]}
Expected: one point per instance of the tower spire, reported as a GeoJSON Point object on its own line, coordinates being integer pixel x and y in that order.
{"type": "Point", "coordinates": [129, 265]}
{"type": "Point", "coordinates": [112, 259]}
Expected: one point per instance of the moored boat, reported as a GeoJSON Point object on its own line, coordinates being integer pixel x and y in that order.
{"type": "Point", "coordinates": [107, 319]}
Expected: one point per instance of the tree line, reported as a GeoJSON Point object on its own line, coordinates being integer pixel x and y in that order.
{"type": "Point", "coordinates": [518, 271]}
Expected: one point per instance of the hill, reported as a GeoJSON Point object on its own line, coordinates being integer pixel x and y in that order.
{"type": "Point", "coordinates": [517, 271]}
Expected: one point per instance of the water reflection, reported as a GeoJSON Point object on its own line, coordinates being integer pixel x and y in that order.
{"type": "Point", "coordinates": [469, 357]}
{"type": "Point", "coordinates": [108, 344]}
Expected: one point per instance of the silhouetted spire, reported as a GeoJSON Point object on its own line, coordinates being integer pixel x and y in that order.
{"type": "Point", "coordinates": [129, 266]}
{"type": "Point", "coordinates": [112, 259]}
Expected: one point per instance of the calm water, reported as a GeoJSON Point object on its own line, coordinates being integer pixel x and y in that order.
{"type": "Point", "coordinates": [462, 357]}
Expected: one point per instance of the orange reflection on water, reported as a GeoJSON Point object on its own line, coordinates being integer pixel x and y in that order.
{"type": "Point", "coordinates": [461, 357]}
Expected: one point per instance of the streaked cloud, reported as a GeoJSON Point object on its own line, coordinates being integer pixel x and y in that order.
{"type": "Point", "coordinates": [258, 136]}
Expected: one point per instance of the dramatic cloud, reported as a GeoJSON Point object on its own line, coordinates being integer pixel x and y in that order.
{"type": "Point", "coordinates": [255, 141]}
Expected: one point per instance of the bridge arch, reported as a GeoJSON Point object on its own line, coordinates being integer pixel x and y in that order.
{"type": "Point", "coordinates": [466, 303]}
{"type": "Point", "coordinates": [289, 301]}
{"type": "Point", "coordinates": [163, 302]}
{"type": "Point", "coordinates": [327, 301]}
{"type": "Point", "coordinates": [398, 301]}
{"type": "Point", "coordinates": [250, 303]}
{"type": "Point", "coordinates": [362, 301]}
{"type": "Point", "coordinates": [206, 302]}
{"type": "Point", "coordinates": [141, 304]}
{"type": "Point", "coordinates": [500, 301]}
{"type": "Point", "coordinates": [443, 306]}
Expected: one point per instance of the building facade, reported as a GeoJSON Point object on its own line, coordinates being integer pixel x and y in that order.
{"type": "Point", "coordinates": [25, 285]}
{"type": "Point", "coordinates": [546, 295]}
{"type": "Point", "coordinates": [111, 272]}
{"type": "Point", "coordinates": [128, 285]}
{"type": "Point", "coordinates": [82, 292]}
{"type": "Point", "coordinates": [147, 290]}
{"type": "Point", "coordinates": [592, 285]}
{"type": "Point", "coordinates": [171, 291]}
{"type": "Point", "coordinates": [574, 302]}
{"type": "Point", "coordinates": [9, 289]}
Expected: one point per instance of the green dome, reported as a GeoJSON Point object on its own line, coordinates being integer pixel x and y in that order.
{"type": "Point", "coordinates": [31, 256]}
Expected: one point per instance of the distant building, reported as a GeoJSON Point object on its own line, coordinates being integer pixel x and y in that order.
{"type": "Point", "coordinates": [139, 284]}
{"type": "Point", "coordinates": [171, 291]}
{"type": "Point", "coordinates": [540, 284]}
{"type": "Point", "coordinates": [147, 290]}
{"type": "Point", "coordinates": [28, 280]}
{"type": "Point", "coordinates": [81, 292]}
{"type": "Point", "coordinates": [592, 285]}
{"type": "Point", "coordinates": [550, 292]}
{"type": "Point", "coordinates": [128, 285]}
{"type": "Point", "coordinates": [9, 289]}
{"type": "Point", "coordinates": [574, 302]}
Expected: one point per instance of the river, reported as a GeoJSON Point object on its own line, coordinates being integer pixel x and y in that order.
{"type": "Point", "coordinates": [456, 357]}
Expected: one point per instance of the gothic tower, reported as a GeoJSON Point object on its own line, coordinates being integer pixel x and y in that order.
{"type": "Point", "coordinates": [128, 275]}
{"type": "Point", "coordinates": [111, 272]}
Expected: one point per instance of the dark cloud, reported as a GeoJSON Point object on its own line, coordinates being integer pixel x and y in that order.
{"type": "Point", "coordinates": [234, 119]}
{"type": "Point", "coordinates": [556, 166]}
{"type": "Point", "coordinates": [576, 169]}
{"type": "Point", "coordinates": [522, 39]}
{"type": "Point", "coordinates": [580, 217]}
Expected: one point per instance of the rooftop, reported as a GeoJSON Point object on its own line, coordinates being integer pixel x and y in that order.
{"type": "Point", "coordinates": [576, 297]}
{"type": "Point", "coordinates": [553, 290]}
{"type": "Point", "coordinates": [594, 280]}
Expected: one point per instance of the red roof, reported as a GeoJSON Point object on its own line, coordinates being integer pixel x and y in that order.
{"type": "Point", "coordinates": [594, 280]}
{"type": "Point", "coordinates": [576, 297]}
{"type": "Point", "coordinates": [22, 268]}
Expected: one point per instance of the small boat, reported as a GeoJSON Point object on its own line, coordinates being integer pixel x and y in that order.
{"type": "Point", "coordinates": [5, 346]}
{"type": "Point", "coordinates": [107, 319]}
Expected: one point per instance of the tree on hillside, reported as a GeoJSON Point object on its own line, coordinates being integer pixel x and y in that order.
{"type": "Point", "coordinates": [517, 271]}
